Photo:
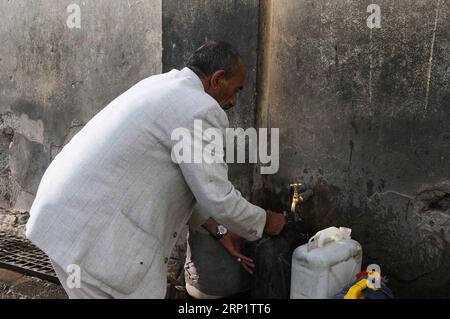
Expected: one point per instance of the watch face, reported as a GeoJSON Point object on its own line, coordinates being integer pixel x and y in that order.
{"type": "Point", "coordinates": [222, 230]}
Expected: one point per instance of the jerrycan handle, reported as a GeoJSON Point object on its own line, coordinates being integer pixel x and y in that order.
{"type": "Point", "coordinates": [328, 235]}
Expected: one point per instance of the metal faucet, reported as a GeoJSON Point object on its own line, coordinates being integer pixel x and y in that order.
{"type": "Point", "coordinates": [296, 198]}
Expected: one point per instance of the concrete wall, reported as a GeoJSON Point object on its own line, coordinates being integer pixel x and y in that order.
{"type": "Point", "coordinates": [188, 24]}
{"type": "Point", "coordinates": [364, 119]}
{"type": "Point", "coordinates": [54, 79]}
{"type": "Point", "coordinates": [363, 113]}
{"type": "Point", "coordinates": [57, 78]}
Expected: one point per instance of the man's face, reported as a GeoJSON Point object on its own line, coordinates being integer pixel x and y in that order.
{"type": "Point", "coordinates": [225, 91]}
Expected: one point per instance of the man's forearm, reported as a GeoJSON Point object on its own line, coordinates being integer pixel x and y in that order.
{"type": "Point", "coordinates": [274, 224]}
{"type": "Point", "coordinates": [210, 225]}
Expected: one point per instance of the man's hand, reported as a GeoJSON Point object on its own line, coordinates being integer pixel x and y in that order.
{"type": "Point", "coordinates": [275, 223]}
{"type": "Point", "coordinates": [232, 244]}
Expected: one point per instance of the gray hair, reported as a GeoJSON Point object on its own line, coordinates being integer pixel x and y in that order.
{"type": "Point", "coordinates": [213, 56]}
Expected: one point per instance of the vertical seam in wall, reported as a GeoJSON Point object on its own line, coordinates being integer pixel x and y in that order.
{"type": "Point", "coordinates": [163, 36]}
{"type": "Point", "coordinates": [266, 59]}
{"type": "Point", "coordinates": [261, 116]}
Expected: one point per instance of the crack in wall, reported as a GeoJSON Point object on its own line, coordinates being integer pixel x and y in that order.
{"type": "Point", "coordinates": [70, 133]}
{"type": "Point", "coordinates": [430, 61]}
{"type": "Point", "coordinates": [388, 192]}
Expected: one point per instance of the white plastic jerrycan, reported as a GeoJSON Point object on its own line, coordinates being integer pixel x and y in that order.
{"type": "Point", "coordinates": [325, 265]}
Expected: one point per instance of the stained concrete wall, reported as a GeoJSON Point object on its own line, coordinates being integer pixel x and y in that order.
{"type": "Point", "coordinates": [56, 78]}
{"type": "Point", "coordinates": [188, 24]}
{"type": "Point", "coordinates": [53, 79]}
{"type": "Point", "coordinates": [363, 113]}
{"type": "Point", "coordinates": [364, 119]}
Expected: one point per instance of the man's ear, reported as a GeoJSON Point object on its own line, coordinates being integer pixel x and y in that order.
{"type": "Point", "coordinates": [216, 78]}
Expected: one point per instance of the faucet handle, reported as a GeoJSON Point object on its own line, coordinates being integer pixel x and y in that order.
{"type": "Point", "coordinates": [296, 186]}
{"type": "Point", "coordinates": [295, 196]}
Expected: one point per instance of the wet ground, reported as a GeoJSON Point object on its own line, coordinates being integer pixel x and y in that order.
{"type": "Point", "coordinates": [15, 285]}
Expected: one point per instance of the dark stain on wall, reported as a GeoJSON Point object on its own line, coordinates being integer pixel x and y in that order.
{"type": "Point", "coordinates": [368, 108]}
{"type": "Point", "coordinates": [188, 24]}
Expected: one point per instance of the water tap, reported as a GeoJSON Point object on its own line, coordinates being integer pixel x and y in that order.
{"type": "Point", "coordinates": [297, 199]}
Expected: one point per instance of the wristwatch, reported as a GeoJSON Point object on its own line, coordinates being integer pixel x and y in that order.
{"type": "Point", "coordinates": [221, 231]}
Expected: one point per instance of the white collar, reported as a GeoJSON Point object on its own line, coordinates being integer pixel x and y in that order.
{"type": "Point", "coordinates": [191, 74]}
